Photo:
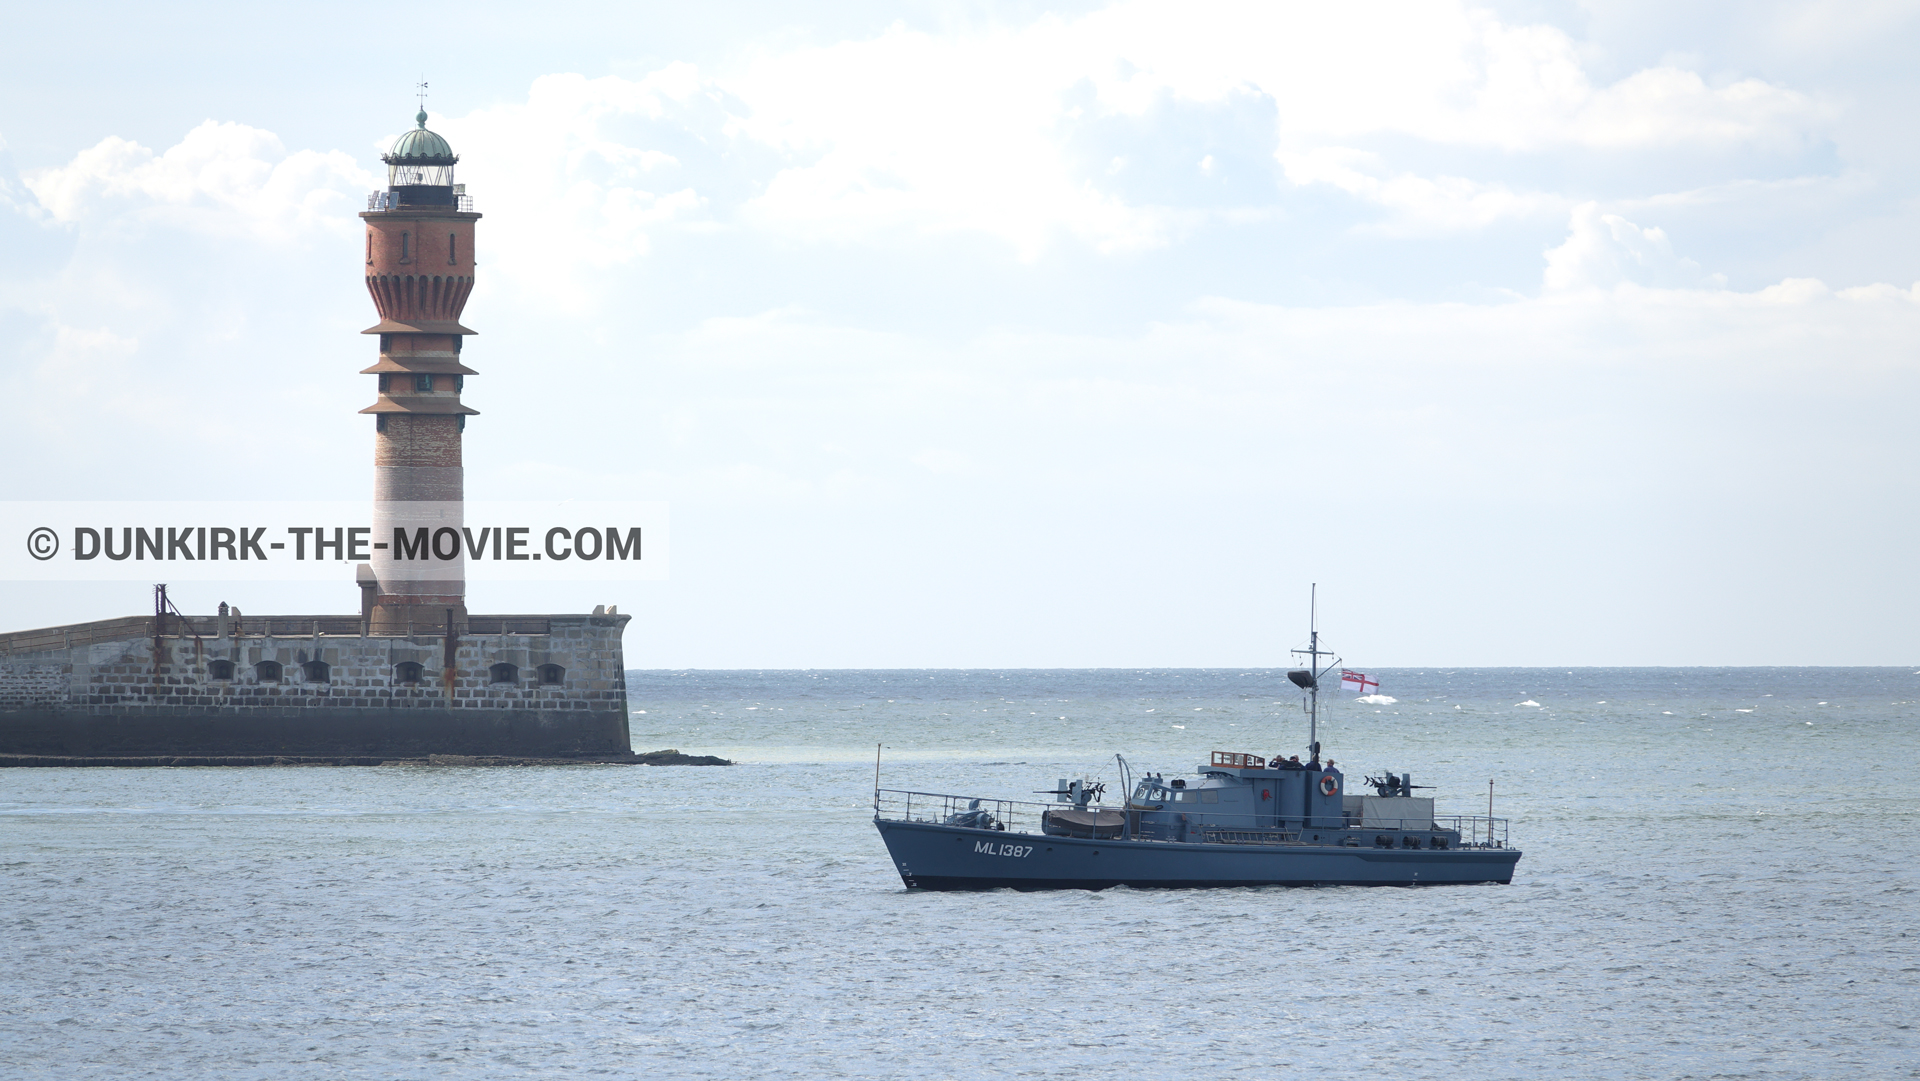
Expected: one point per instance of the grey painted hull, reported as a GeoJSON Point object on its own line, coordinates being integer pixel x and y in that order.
{"type": "Point", "coordinates": [936, 857]}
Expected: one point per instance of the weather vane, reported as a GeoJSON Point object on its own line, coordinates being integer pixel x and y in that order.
{"type": "Point", "coordinates": [422, 88]}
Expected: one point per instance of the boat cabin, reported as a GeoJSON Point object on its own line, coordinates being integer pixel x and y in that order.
{"type": "Point", "coordinates": [1239, 798]}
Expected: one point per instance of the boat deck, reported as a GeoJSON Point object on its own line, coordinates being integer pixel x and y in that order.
{"type": "Point", "coordinates": [1024, 818]}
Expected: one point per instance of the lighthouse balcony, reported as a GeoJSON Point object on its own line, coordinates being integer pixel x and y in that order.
{"type": "Point", "coordinates": [419, 196]}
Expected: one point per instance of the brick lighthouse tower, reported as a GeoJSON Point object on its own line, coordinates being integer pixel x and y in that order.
{"type": "Point", "coordinates": [419, 272]}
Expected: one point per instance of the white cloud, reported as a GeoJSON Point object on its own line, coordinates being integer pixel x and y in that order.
{"type": "Point", "coordinates": [1442, 72]}
{"type": "Point", "coordinates": [1881, 292]}
{"type": "Point", "coordinates": [1605, 250]}
{"type": "Point", "coordinates": [908, 134]}
{"type": "Point", "coordinates": [1419, 205]}
{"type": "Point", "coordinates": [222, 178]}
{"type": "Point", "coordinates": [1665, 107]}
{"type": "Point", "coordinates": [970, 131]}
{"type": "Point", "coordinates": [911, 133]}
{"type": "Point", "coordinates": [575, 162]}
{"type": "Point", "coordinates": [965, 136]}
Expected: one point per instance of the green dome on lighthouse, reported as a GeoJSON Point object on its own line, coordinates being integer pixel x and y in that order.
{"type": "Point", "coordinates": [420, 147]}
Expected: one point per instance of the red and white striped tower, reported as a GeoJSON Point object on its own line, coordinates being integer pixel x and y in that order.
{"type": "Point", "coordinates": [419, 272]}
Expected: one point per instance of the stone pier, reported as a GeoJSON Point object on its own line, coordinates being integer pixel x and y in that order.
{"type": "Point", "coordinates": [535, 686]}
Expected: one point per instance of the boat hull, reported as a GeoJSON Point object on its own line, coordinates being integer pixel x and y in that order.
{"type": "Point", "coordinates": [935, 857]}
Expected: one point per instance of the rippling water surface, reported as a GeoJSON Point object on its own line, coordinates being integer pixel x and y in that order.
{"type": "Point", "coordinates": [1719, 882]}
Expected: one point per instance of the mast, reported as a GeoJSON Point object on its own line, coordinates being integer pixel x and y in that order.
{"type": "Point", "coordinates": [1314, 671]}
{"type": "Point", "coordinates": [1313, 662]}
{"type": "Point", "coordinates": [1313, 665]}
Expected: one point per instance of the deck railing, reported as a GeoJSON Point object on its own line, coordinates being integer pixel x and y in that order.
{"type": "Point", "coordinates": [1016, 816]}
{"type": "Point", "coordinates": [1024, 816]}
{"type": "Point", "coordinates": [1476, 831]}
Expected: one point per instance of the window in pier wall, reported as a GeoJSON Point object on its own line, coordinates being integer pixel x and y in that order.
{"type": "Point", "coordinates": [406, 672]}
{"type": "Point", "coordinates": [220, 670]}
{"type": "Point", "coordinates": [267, 671]}
{"type": "Point", "coordinates": [314, 671]}
{"type": "Point", "coordinates": [552, 675]}
{"type": "Point", "coordinates": [505, 673]}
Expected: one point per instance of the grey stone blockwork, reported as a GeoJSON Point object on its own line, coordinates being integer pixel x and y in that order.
{"type": "Point", "coordinates": [98, 689]}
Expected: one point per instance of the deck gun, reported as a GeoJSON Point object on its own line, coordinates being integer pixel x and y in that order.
{"type": "Point", "coordinates": [1391, 785]}
{"type": "Point", "coordinates": [974, 818]}
{"type": "Point", "coordinates": [1079, 793]}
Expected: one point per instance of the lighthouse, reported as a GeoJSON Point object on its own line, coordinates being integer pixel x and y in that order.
{"type": "Point", "coordinates": [419, 272]}
{"type": "Point", "coordinates": [413, 675]}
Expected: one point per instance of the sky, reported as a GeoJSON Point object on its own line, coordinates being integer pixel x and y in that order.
{"type": "Point", "coordinates": [1017, 335]}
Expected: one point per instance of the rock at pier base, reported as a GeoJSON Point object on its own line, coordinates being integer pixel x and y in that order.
{"type": "Point", "coordinates": [651, 758]}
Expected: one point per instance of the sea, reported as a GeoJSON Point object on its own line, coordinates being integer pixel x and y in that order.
{"type": "Point", "coordinates": [1719, 880]}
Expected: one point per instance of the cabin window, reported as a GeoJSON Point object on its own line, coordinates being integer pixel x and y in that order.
{"type": "Point", "coordinates": [505, 673]}
{"type": "Point", "coordinates": [404, 242]}
{"type": "Point", "coordinates": [314, 671]}
{"type": "Point", "coordinates": [406, 672]}
{"type": "Point", "coordinates": [1208, 795]}
{"type": "Point", "coordinates": [221, 670]}
{"type": "Point", "coordinates": [552, 674]}
{"type": "Point", "coordinates": [423, 383]}
{"type": "Point", "coordinates": [267, 671]}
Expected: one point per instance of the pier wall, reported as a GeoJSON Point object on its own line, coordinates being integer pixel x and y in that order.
{"type": "Point", "coordinates": [536, 686]}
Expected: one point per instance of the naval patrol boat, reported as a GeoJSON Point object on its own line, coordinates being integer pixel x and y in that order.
{"type": "Point", "coordinates": [1239, 821]}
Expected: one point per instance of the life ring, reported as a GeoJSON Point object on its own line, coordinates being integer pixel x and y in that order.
{"type": "Point", "coordinates": [1329, 785]}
